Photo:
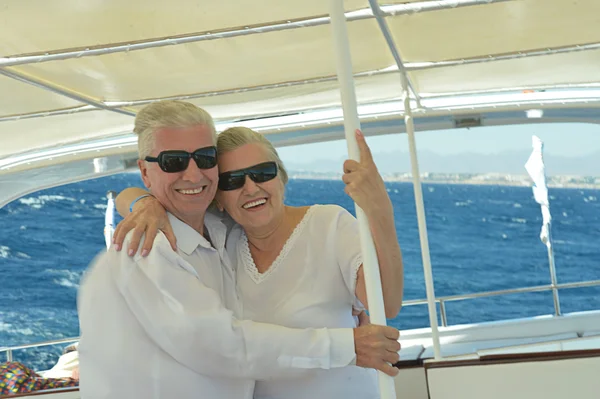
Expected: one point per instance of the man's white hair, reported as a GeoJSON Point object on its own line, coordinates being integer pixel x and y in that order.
{"type": "Point", "coordinates": [168, 114]}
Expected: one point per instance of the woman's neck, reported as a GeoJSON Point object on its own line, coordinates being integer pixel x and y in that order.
{"type": "Point", "coordinates": [273, 236]}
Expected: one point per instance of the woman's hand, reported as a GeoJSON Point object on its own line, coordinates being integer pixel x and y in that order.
{"type": "Point", "coordinates": [366, 187]}
{"type": "Point", "coordinates": [148, 217]}
{"type": "Point", "coordinates": [363, 182]}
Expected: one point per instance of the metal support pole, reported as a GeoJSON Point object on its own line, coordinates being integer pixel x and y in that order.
{"type": "Point", "coordinates": [57, 89]}
{"type": "Point", "coordinates": [443, 313]}
{"type": "Point", "coordinates": [553, 280]}
{"type": "Point", "coordinates": [109, 218]}
{"type": "Point", "coordinates": [351, 123]}
{"type": "Point", "coordinates": [274, 26]}
{"type": "Point", "coordinates": [414, 162]}
{"type": "Point", "coordinates": [387, 34]}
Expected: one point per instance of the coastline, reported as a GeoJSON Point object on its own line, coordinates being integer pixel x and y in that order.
{"type": "Point", "coordinates": [490, 179]}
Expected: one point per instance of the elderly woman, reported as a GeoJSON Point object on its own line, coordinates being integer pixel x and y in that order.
{"type": "Point", "coordinates": [296, 266]}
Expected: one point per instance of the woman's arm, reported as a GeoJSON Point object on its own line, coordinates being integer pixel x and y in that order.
{"type": "Point", "coordinates": [126, 197]}
{"type": "Point", "coordinates": [391, 266]}
{"type": "Point", "coordinates": [147, 218]}
{"type": "Point", "coordinates": [366, 187]}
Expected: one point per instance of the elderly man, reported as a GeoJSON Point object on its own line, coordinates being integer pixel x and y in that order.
{"type": "Point", "coordinates": [159, 325]}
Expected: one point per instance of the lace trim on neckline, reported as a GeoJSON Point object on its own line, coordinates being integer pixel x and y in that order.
{"type": "Point", "coordinates": [246, 255]}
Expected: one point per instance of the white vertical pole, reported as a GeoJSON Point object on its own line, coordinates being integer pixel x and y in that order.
{"type": "Point", "coordinates": [422, 223]}
{"type": "Point", "coordinates": [109, 218]}
{"type": "Point", "coordinates": [351, 123]}
{"type": "Point", "coordinates": [410, 130]}
{"type": "Point", "coordinates": [553, 279]}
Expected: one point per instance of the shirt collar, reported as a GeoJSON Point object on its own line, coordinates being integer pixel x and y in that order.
{"type": "Point", "coordinates": [189, 239]}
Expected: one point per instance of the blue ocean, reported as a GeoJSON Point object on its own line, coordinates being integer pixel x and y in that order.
{"type": "Point", "coordinates": [481, 237]}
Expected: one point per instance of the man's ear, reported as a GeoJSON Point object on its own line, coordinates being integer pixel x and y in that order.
{"type": "Point", "coordinates": [144, 172]}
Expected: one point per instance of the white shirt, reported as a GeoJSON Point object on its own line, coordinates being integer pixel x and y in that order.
{"type": "Point", "coordinates": [64, 367]}
{"type": "Point", "coordinates": [157, 327]}
{"type": "Point", "coordinates": [312, 283]}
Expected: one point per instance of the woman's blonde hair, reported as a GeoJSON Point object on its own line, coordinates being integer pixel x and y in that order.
{"type": "Point", "coordinates": [168, 114]}
{"type": "Point", "coordinates": [235, 137]}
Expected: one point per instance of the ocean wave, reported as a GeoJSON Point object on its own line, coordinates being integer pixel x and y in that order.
{"type": "Point", "coordinates": [32, 202]}
{"type": "Point", "coordinates": [463, 203]}
{"type": "Point", "coordinates": [519, 220]}
{"type": "Point", "coordinates": [65, 278]}
{"type": "Point", "coordinates": [563, 242]}
{"type": "Point", "coordinates": [11, 329]}
{"type": "Point", "coordinates": [498, 202]}
{"type": "Point", "coordinates": [38, 202]}
{"type": "Point", "coordinates": [4, 251]}
{"type": "Point", "coordinates": [66, 283]}
{"type": "Point", "coordinates": [64, 272]}
{"type": "Point", "coordinates": [49, 198]}
{"type": "Point", "coordinates": [5, 326]}
{"type": "Point", "coordinates": [100, 206]}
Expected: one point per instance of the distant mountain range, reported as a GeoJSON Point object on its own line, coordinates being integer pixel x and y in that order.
{"type": "Point", "coordinates": [510, 162]}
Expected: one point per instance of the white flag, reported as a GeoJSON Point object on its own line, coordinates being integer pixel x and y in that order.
{"type": "Point", "coordinates": [537, 172]}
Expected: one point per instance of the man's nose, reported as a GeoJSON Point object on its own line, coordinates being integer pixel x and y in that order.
{"type": "Point", "coordinates": [193, 173]}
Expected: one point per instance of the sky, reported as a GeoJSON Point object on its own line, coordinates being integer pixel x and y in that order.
{"type": "Point", "coordinates": [566, 139]}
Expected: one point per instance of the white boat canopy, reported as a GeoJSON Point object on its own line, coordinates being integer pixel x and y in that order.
{"type": "Point", "coordinates": [73, 74]}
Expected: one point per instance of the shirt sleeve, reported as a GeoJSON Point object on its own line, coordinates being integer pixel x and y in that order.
{"type": "Point", "coordinates": [347, 250]}
{"type": "Point", "coordinates": [187, 320]}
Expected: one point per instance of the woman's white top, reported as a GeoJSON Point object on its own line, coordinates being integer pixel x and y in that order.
{"type": "Point", "coordinates": [311, 284]}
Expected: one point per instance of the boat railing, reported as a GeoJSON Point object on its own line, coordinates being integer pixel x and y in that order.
{"type": "Point", "coordinates": [441, 300]}
{"type": "Point", "coordinates": [9, 349]}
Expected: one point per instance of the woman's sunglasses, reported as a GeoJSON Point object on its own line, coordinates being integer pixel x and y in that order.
{"type": "Point", "coordinates": [174, 161]}
{"type": "Point", "coordinates": [235, 179]}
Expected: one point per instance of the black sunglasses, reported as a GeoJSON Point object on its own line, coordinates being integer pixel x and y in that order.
{"type": "Point", "coordinates": [235, 179]}
{"type": "Point", "coordinates": [174, 161]}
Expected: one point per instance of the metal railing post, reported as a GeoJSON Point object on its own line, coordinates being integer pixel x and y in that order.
{"type": "Point", "coordinates": [443, 313]}
{"type": "Point", "coordinates": [553, 280]}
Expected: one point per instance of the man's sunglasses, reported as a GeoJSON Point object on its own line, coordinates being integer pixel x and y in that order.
{"type": "Point", "coordinates": [174, 161]}
{"type": "Point", "coordinates": [235, 179]}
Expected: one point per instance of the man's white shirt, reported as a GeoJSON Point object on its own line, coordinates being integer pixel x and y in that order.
{"type": "Point", "coordinates": [164, 326]}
